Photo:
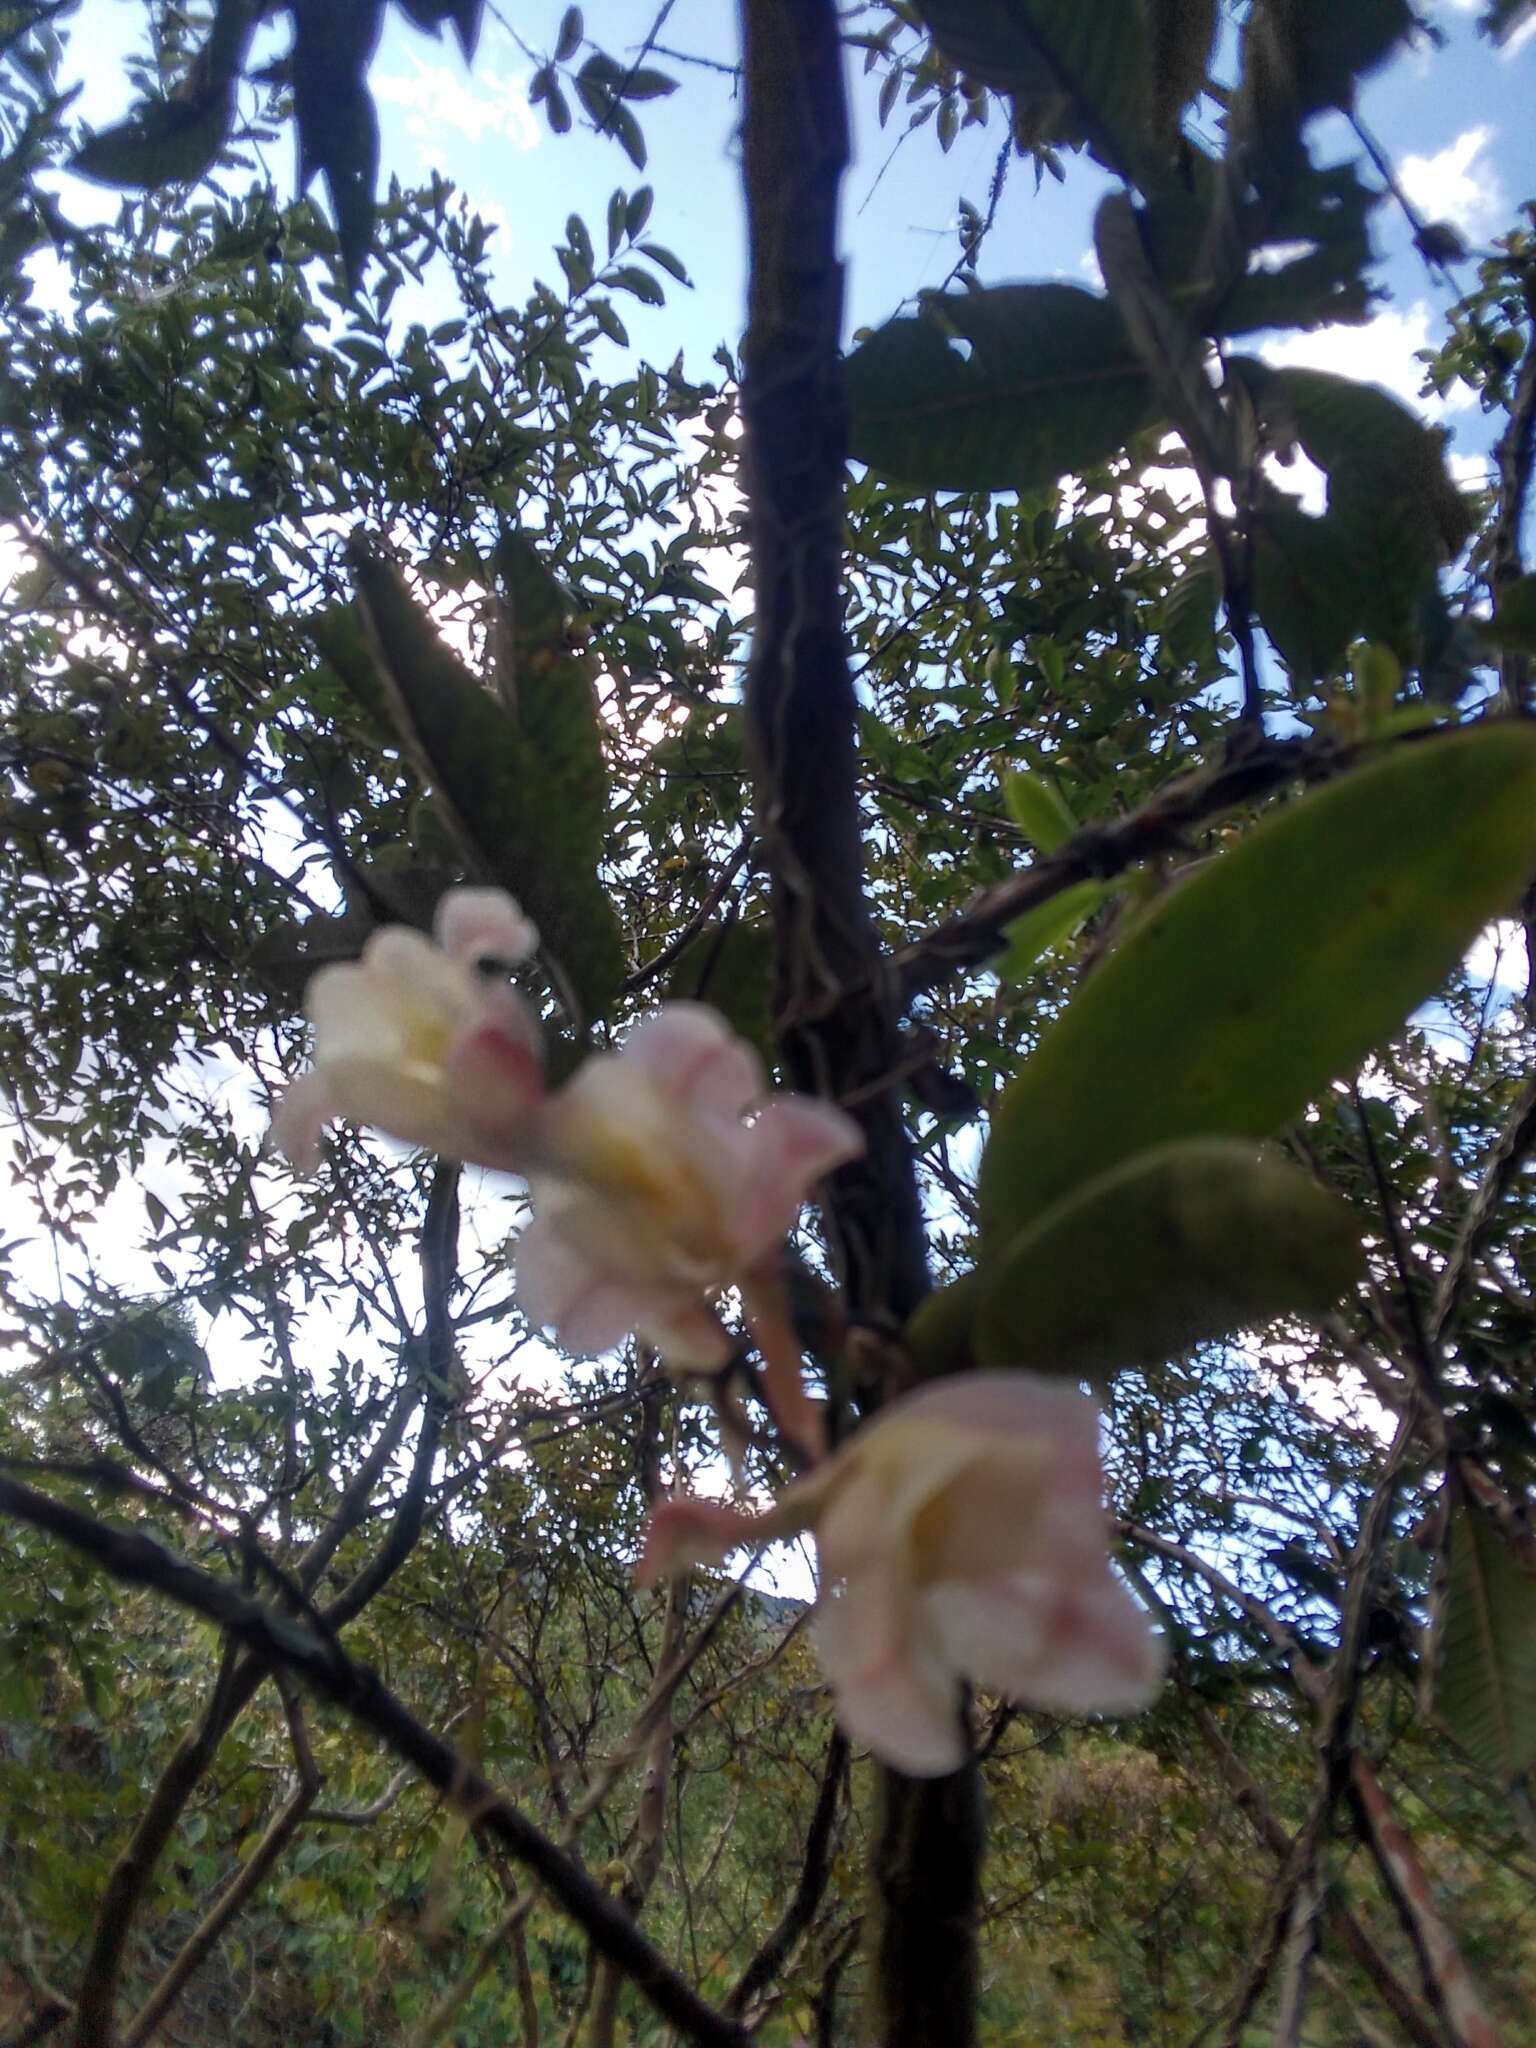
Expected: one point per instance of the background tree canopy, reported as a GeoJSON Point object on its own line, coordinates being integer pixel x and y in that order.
{"type": "Point", "coordinates": [975, 707]}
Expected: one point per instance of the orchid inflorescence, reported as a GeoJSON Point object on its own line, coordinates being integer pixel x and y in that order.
{"type": "Point", "coordinates": [960, 1534]}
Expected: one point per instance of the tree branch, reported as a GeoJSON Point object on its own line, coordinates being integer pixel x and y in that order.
{"type": "Point", "coordinates": [837, 1016]}
{"type": "Point", "coordinates": [837, 1022]}
{"type": "Point", "coordinates": [814, 1870]}
{"type": "Point", "coordinates": [248, 1880]}
{"type": "Point", "coordinates": [273, 1640]}
{"type": "Point", "coordinates": [1159, 827]}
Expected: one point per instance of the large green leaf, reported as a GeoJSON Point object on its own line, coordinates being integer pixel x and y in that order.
{"type": "Point", "coordinates": [1305, 588]}
{"type": "Point", "coordinates": [1049, 386]}
{"type": "Point", "coordinates": [163, 142]}
{"type": "Point", "coordinates": [1271, 970]}
{"type": "Point", "coordinates": [1394, 518]}
{"type": "Point", "coordinates": [1173, 1248]}
{"type": "Point", "coordinates": [1189, 614]}
{"type": "Point", "coordinates": [1311, 235]}
{"type": "Point", "coordinates": [1331, 47]}
{"type": "Point", "coordinates": [1075, 74]}
{"type": "Point", "coordinates": [731, 965]}
{"type": "Point", "coordinates": [1367, 441]}
{"type": "Point", "coordinates": [1485, 1666]}
{"type": "Point", "coordinates": [523, 789]}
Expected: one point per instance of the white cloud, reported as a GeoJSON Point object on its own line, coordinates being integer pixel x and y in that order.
{"type": "Point", "coordinates": [439, 103]}
{"type": "Point", "coordinates": [1383, 351]}
{"type": "Point", "coordinates": [1456, 184]}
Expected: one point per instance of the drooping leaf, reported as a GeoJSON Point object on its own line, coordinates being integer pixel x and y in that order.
{"type": "Point", "coordinates": [1181, 33]}
{"type": "Point", "coordinates": [521, 786]}
{"type": "Point", "coordinates": [465, 15]}
{"type": "Point", "coordinates": [562, 819]}
{"type": "Point", "coordinates": [1272, 970]}
{"type": "Point", "coordinates": [163, 142]}
{"type": "Point", "coordinates": [1189, 614]}
{"type": "Point", "coordinates": [1305, 589]}
{"type": "Point", "coordinates": [1368, 442]}
{"type": "Point", "coordinates": [1394, 516]}
{"type": "Point", "coordinates": [1175, 1247]}
{"type": "Point", "coordinates": [1485, 1664]}
{"type": "Point", "coordinates": [174, 141]}
{"type": "Point", "coordinates": [338, 126]}
{"type": "Point", "coordinates": [996, 390]}
{"type": "Point", "coordinates": [1330, 48]}
{"type": "Point", "coordinates": [731, 966]}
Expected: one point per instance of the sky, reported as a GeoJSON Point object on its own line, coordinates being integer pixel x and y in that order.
{"type": "Point", "coordinates": [1455, 122]}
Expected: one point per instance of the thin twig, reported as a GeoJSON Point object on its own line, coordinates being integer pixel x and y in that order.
{"type": "Point", "coordinates": [272, 1640]}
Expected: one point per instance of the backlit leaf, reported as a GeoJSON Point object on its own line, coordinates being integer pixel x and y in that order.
{"type": "Point", "coordinates": [996, 390]}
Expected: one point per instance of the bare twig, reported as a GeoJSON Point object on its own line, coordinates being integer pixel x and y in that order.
{"type": "Point", "coordinates": [248, 1880]}
{"type": "Point", "coordinates": [815, 1867]}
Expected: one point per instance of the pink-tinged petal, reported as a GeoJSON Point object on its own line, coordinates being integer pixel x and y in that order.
{"type": "Point", "coordinates": [885, 1478]}
{"type": "Point", "coordinates": [402, 1101]}
{"type": "Point", "coordinates": [484, 924]}
{"type": "Point", "coordinates": [398, 956]}
{"type": "Point", "coordinates": [893, 1694]}
{"type": "Point", "coordinates": [685, 1530]}
{"type": "Point", "coordinates": [1069, 1642]}
{"type": "Point", "coordinates": [688, 1531]}
{"type": "Point", "coordinates": [301, 1113]}
{"type": "Point", "coordinates": [685, 1333]}
{"type": "Point", "coordinates": [690, 1055]}
{"type": "Point", "coordinates": [558, 1288]}
{"type": "Point", "coordinates": [990, 1515]}
{"type": "Point", "coordinates": [494, 1074]}
{"type": "Point", "coordinates": [344, 1004]}
{"type": "Point", "coordinates": [592, 1306]}
{"type": "Point", "coordinates": [795, 1141]}
{"type": "Point", "coordinates": [1020, 1403]}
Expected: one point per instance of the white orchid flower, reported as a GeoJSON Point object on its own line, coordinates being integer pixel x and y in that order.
{"type": "Point", "coordinates": [415, 1041]}
{"type": "Point", "coordinates": [663, 1192]}
{"type": "Point", "coordinates": [961, 1536]}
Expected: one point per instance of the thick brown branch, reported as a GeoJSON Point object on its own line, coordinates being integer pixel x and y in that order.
{"type": "Point", "coordinates": [1159, 827]}
{"type": "Point", "coordinates": [836, 1007]}
{"type": "Point", "coordinates": [837, 1021]}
